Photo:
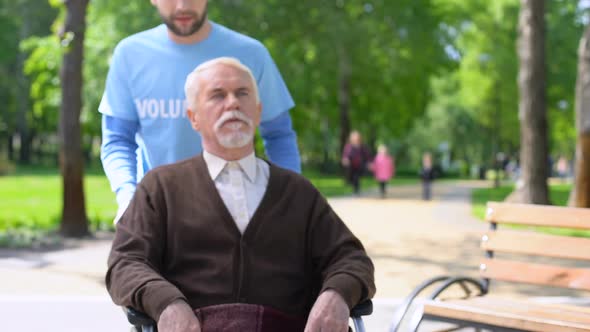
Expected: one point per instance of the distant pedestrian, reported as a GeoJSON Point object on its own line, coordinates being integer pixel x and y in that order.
{"type": "Point", "coordinates": [427, 176]}
{"type": "Point", "coordinates": [383, 167]}
{"type": "Point", "coordinates": [355, 157]}
{"type": "Point", "coordinates": [562, 168]}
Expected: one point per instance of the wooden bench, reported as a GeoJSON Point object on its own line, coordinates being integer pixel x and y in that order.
{"type": "Point", "coordinates": [572, 255]}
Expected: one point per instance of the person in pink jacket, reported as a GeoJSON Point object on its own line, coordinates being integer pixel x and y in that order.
{"type": "Point", "coordinates": [383, 168]}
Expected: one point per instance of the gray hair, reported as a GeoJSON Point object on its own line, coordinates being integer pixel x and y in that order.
{"type": "Point", "coordinates": [191, 86]}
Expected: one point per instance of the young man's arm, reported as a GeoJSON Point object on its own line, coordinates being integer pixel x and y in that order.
{"type": "Point", "coordinates": [119, 126]}
{"type": "Point", "coordinates": [280, 142]}
{"type": "Point", "coordinates": [119, 159]}
{"type": "Point", "coordinates": [276, 129]}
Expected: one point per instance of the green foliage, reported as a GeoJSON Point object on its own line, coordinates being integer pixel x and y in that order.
{"type": "Point", "coordinates": [423, 72]}
{"type": "Point", "coordinates": [43, 66]}
{"type": "Point", "coordinates": [104, 30]}
{"type": "Point", "coordinates": [565, 25]}
{"type": "Point", "coordinates": [8, 25]}
{"type": "Point", "coordinates": [393, 48]}
{"type": "Point", "coordinates": [475, 106]}
{"type": "Point", "coordinates": [19, 19]}
{"type": "Point", "coordinates": [108, 22]}
{"type": "Point", "coordinates": [479, 104]}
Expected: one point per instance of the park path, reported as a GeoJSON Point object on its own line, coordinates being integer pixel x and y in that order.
{"type": "Point", "coordinates": [408, 239]}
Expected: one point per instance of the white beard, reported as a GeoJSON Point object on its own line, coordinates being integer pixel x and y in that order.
{"type": "Point", "coordinates": [241, 134]}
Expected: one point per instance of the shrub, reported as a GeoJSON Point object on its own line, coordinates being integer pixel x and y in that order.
{"type": "Point", "coordinates": [6, 167]}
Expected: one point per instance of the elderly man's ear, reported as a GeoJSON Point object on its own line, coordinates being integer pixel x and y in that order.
{"type": "Point", "coordinates": [194, 119]}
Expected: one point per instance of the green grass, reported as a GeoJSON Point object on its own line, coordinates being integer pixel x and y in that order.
{"type": "Point", "coordinates": [336, 185]}
{"type": "Point", "coordinates": [480, 196]}
{"type": "Point", "coordinates": [30, 205]}
{"type": "Point", "coordinates": [32, 199]}
{"type": "Point", "coordinates": [558, 193]}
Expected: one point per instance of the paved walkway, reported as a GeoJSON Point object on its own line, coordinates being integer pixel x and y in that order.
{"type": "Point", "coordinates": [408, 239]}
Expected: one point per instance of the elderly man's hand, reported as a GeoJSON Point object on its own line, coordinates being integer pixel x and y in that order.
{"type": "Point", "coordinates": [329, 314]}
{"type": "Point", "coordinates": [178, 317]}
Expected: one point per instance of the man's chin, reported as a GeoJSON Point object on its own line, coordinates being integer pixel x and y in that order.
{"type": "Point", "coordinates": [183, 31]}
{"type": "Point", "coordinates": [235, 141]}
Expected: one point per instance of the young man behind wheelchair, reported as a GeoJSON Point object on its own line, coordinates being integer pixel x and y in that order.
{"type": "Point", "coordinates": [228, 240]}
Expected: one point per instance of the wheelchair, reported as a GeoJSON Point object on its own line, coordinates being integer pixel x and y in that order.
{"type": "Point", "coordinates": [143, 323]}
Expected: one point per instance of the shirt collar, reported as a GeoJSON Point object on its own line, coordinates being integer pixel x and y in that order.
{"type": "Point", "coordinates": [216, 164]}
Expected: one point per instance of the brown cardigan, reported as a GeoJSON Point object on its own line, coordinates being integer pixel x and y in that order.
{"type": "Point", "coordinates": [177, 240]}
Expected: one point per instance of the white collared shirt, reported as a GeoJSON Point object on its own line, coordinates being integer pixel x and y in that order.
{"type": "Point", "coordinates": [241, 184]}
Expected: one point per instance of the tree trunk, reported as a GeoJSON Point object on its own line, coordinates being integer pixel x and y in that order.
{"type": "Point", "coordinates": [74, 222]}
{"type": "Point", "coordinates": [498, 133]}
{"type": "Point", "coordinates": [22, 93]}
{"type": "Point", "coordinates": [10, 147]}
{"type": "Point", "coordinates": [580, 196]}
{"type": "Point", "coordinates": [326, 147]}
{"type": "Point", "coordinates": [344, 95]}
{"type": "Point", "coordinates": [532, 108]}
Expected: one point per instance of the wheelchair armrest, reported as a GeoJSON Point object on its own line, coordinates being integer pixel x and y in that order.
{"type": "Point", "coordinates": [138, 318]}
{"type": "Point", "coordinates": [362, 309]}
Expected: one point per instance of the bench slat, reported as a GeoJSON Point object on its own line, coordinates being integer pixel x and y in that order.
{"type": "Point", "coordinates": [512, 314]}
{"type": "Point", "coordinates": [537, 244]}
{"type": "Point", "coordinates": [556, 276]}
{"type": "Point", "coordinates": [540, 215]}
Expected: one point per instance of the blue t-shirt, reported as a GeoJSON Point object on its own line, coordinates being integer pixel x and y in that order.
{"type": "Point", "coordinates": [146, 80]}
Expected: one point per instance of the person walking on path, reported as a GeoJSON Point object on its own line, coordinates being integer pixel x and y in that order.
{"type": "Point", "coordinates": [427, 176]}
{"type": "Point", "coordinates": [144, 120]}
{"type": "Point", "coordinates": [355, 157]}
{"type": "Point", "coordinates": [383, 167]}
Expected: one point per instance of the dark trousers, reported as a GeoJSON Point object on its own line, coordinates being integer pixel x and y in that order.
{"type": "Point", "coordinates": [383, 188]}
{"type": "Point", "coordinates": [354, 176]}
{"type": "Point", "coordinates": [426, 189]}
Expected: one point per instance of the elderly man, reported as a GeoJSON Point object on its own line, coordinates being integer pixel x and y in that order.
{"type": "Point", "coordinates": [226, 238]}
